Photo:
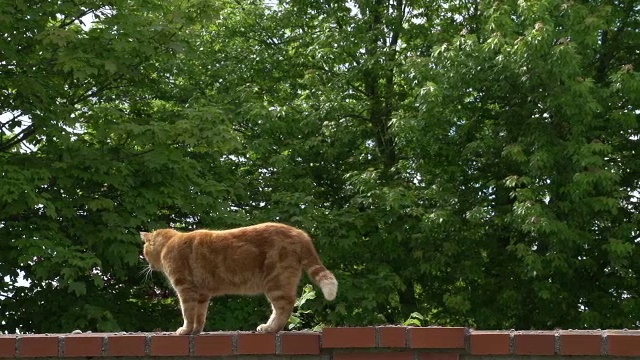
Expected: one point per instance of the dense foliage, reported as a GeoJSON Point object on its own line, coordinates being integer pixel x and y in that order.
{"type": "Point", "coordinates": [458, 162]}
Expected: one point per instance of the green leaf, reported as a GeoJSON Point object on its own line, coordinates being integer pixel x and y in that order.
{"type": "Point", "coordinates": [77, 287]}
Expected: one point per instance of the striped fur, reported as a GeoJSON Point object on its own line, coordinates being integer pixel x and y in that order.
{"type": "Point", "coordinates": [260, 259]}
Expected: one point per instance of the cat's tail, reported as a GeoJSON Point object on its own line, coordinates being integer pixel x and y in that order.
{"type": "Point", "coordinates": [318, 273]}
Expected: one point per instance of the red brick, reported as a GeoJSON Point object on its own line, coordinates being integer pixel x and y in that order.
{"type": "Point", "coordinates": [213, 345]}
{"type": "Point", "coordinates": [83, 345]}
{"type": "Point", "coordinates": [392, 336]}
{"type": "Point", "coordinates": [38, 346]}
{"type": "Point", "coordinates": [535, 343]}
{"type": "Point", "coordinates": [300, 343]}
{"type": "Point", "coordinates": [580, 344]}
{"type": "Point", "coordinates": [394, 355]}
{"type": "Point", "coordinates": [437, 337]}
{"type": "Point", "coordinates": [439, 356]}
{"type": "Point", "coordinates": [489, 343]}
{"type": "Point", "coordinates": [169, 345]}
{"type": "Point", "coordinates": [624, 344]}
{"type": "Point", "coordinates": [355, 337]}
{"type": "Point", "coordinates": [256, 343]}
{"type": "Point", "coordinates": [126, 345]}
{"type": "Point", "coordinates": [7, 346]}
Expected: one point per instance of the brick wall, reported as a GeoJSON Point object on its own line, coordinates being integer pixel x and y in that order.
{"type": "Point", "coordinates": [384, 342]}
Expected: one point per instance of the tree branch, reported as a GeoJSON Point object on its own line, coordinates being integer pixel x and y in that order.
{"type": "Point", "coordinates": [68, 21]}
{"type": "Point", "coordinates": [7, 296]}
{"type": "Point", "coordinates": [23, 135]}
{"type": "Point", "coordinates": [14, 116]}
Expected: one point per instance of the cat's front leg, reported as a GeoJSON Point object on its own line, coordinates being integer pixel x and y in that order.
{"type": "Point", "coordinates": [201, 313]}
{"type": "Point", "coordinates": [189, 307]}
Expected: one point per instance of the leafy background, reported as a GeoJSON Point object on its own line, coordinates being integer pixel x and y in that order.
{"type": "Point", "coordinates": [469, 163]}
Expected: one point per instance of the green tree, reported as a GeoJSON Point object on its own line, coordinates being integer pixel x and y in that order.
{"type": "Point", "coordinates": [534, 148]}
{"type": "Point", "coordinates": [102, 137]}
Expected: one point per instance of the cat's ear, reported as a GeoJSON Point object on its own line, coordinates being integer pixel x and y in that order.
{"type": "Point", "coordinates": [143, 236]}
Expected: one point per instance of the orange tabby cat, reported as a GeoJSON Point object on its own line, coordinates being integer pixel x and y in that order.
{"type": "Point", "coordinates": [265, 258]}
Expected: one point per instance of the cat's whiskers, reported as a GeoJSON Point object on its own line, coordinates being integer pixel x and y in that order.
{"type": "Point", "coordinates": [146, 273]}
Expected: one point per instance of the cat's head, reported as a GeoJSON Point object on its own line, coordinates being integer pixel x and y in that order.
{"type": "Point", "coordinates": [153, 244]}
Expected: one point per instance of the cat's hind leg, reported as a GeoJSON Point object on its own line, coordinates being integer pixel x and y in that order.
{"type": "Point", "coordinates": [282, 308]}
{"type": "Point", "coordinates": [261, 328]}
{"type": "Point", "coordinates": [281, 292]}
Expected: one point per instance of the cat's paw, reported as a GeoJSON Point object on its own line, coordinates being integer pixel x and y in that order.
{"type": "Point", "coordinates": [183, 331]}
{"type": "Point", "coordinates": [264, 328]}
